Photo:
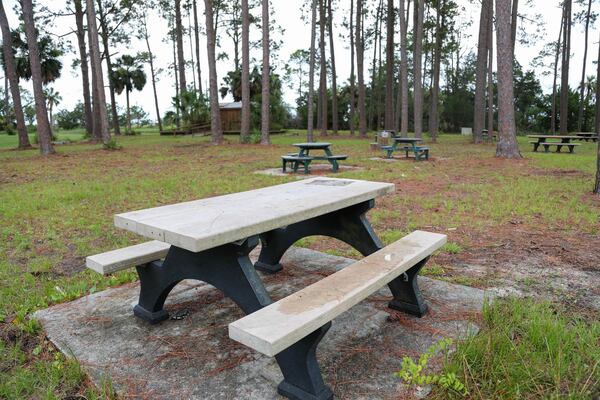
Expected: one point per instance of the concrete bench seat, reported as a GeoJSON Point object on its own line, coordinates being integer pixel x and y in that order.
{"type": "Point", "coordinates": [301, 319]}
{"type": "Point", "coordinates": [127, 257]}
{"type": "Point", "coordinates": [338, 157]}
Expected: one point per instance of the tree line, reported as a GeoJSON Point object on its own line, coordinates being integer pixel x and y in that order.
{"type": "Point", "coordinates": [409, 67]}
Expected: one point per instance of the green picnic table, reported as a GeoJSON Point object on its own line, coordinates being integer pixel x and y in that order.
{"type": "Point", "coordinates": [553, 140]}
{"type": "Point", "coordinates": [303, 157]}
{"type": "Point", "coordinates": [587, 136]}
{"type": "Point", "coordinates": [410, 145]}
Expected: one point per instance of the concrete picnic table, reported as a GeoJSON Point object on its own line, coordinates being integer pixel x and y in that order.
{"type": "Point", "coordinates": [559, 142]}
{"type": "Point", "coordinates": [211, 239]}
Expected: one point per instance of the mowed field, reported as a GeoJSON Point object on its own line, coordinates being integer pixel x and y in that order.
{"type": "Point", "coordinates": [530, 228]}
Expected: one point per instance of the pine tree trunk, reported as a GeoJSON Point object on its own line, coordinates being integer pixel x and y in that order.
{"type": "Point", "coordinates": [323, 73]}
{"type": "Point", "coordinates": [245, 128]}
{"type": "Point", "coordinates": [101, 129]}
{"type": "Point", "coordinates": [507, 130]}
{"type": "Point", "coordinates": [360, 56]}
{"type": "Point", "coordinates": [513, 24]}
{"type": "Point", "coordinates": [417, 62]}
{"type": "Point", "coordinates": [41, 113]}
{"type": "Point", "coordinates": [554, 88]}
{"type": "Point", "coordinates": [437, 59]}
{"type": "Point", "coordinates": [389, 68]}
{"type": "Point", "coordinates": [490, 74]}
{"type": "Point", "coordinates": [211, 41]}
{"type": "Point", "coordinates": [334, 94]}
{"type": "Point", "coordinates": [564, 86]}
{"type": "Point", "coordinates": [80, 33]}
{"type": "Point", "coordinates": [190, 29]}
{"type": "Point", "coordinates": [585, 52]}
{"type": "Point", "coordinates": [352, 76]}
{"type": "Point", "coordinates": [176, 74]}
{"type": "Point", "coordinates": [404, 69]}
{"type": "Point", "coordinates": [111, 88]}
{"type": "Point", "coordinates": [265, 139]}
{"type": "Point", "coordinates": [481, 72]}
{"type": "Point", "coordinates": [197, 40]}
{"type": "Point", "coordinates": [311, 73]}
{"type": "Point", "coordinates": [13, 79]}
{"type": "Point", "coordinates": [152, 72]}
{"type": "Point", "coordinates": [597, 186]}
{"type": "Point", "coordinates": [374, 72]}
{"type": "Point", "coordinates": [179, 37]}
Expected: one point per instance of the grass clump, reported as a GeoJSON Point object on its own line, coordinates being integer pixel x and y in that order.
{"type": "Point", "coordinates": [526, 350]}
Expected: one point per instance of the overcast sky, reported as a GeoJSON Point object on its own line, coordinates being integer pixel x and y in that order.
{"type": "Point", "coordinates": [297, 36]}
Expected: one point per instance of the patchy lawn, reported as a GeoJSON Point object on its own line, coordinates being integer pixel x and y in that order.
{"type": "Point", "coordinates": [528, 227]}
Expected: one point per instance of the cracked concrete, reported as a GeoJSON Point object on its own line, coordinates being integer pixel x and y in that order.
{"type": "Point", "coordinates": [193, 358]}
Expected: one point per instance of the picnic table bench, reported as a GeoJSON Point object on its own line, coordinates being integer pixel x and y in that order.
{"type": "Point", "coordinates": [544, 140]}
{"type": "Point", "coordinates": [411, 145]}
{"type": "Point", "coordinates": [210, 240]}
{"type": "Point", "coordinates": [304, 158]}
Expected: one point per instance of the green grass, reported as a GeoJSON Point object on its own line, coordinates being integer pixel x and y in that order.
{"type": "Point", "coordinates": [54, 211]}
{"type": "Point", "coordinates": [529, 350]}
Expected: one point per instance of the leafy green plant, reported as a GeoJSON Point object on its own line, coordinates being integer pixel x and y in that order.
{"type": "Point", "coordinates": [111, 145]}
{"type": "Point", "coordinates": [452, 248]}
{"type": "Point", "coordinates": [414, 373]}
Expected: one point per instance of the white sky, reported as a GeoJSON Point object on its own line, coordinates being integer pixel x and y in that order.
{"type": "Point", "coordinates": [296, 36]}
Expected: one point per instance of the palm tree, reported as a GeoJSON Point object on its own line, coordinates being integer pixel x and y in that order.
{"type": "Point", "coordinates": [53, 98]}
{"type": "Point", "coordinates": [49, 55]}
{"type": "Point", "coordinates": [43, 125]}
{"type": "Point", "coordinates": [128, 75]}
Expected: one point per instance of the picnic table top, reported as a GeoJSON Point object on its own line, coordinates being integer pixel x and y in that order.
{"type": "Point", "coordinates": [313, 145]}
{"type": "Point", "coordinates": [586, 134]}
{"type": "Point", "coordinates": [203, 224]}
{"type": "Point", "coordinates": [553, 137]}
{"type": "Point", "coordinates": [407, 139]}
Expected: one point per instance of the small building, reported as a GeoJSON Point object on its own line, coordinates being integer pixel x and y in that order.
{"type": "Point", "coordinates": [231, 116]}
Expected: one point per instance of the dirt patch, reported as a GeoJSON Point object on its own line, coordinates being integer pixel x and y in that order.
{"type": "Point", "coordinates": [559, 173]}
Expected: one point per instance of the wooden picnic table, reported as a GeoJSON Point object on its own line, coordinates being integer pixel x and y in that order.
{"type": "Point", "coordinates": [410, 145]}
{"type": "Point", "coordinates": [553, 140]}
{"type": "Point", "coordinates": [305, 158]}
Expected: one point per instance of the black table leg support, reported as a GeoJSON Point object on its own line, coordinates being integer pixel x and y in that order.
{"type": "Point", "coordinates": [227, 267]}
{"type": "Point", "coordinates": [301, 373]}
{"type": "Point", "coordinates": [349, 225]}
{"type": "Point", "coordinates": [407, 296]}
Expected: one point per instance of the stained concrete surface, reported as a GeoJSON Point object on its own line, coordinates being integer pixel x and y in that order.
{"type": "Point", "coordinates": [193, 358]}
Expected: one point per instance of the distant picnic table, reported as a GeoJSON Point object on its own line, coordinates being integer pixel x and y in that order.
{"type": "Point", "coordinates": [587, 136]}
{"type": "Point", "coordinates": [548, 141]}
{"type": "Point", "coordinates": [303, 157]}
{"type": "Point", "coordinates": [410, 145]}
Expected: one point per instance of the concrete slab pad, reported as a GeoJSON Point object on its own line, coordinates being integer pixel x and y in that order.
{"type": "Point", "coordinates": [315, 169]}
{"type": "Point", "coordinates": [193, 358]}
